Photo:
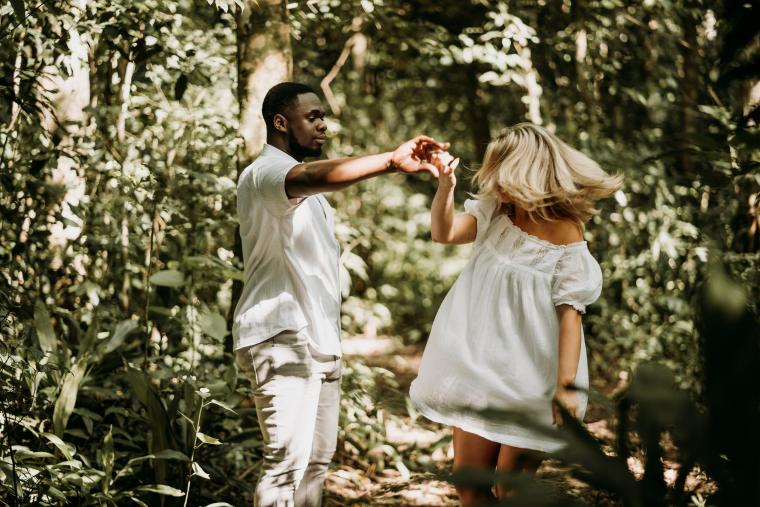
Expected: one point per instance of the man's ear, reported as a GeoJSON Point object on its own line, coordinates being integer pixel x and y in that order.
{"type": "Point", "coordinates": [280, 123]}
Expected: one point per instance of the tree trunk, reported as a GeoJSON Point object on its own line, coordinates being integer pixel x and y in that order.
{"type": "Point", "coordinates": [582, 75]}
{"type": "Point", "coordinates": [478, 113]}
{"type": "Point", "coordinates": [66, 121]}
{"type": "Point", "coordinates": [264, 58]}
{"type": "Point", "coordinates": [690, 85]}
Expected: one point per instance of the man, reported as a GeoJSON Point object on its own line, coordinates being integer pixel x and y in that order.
{"type": "Point", "coordinates": [287, 322]}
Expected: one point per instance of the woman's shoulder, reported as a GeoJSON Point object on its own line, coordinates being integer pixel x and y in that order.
{"type": "Point", "coordinates": [562, 231]}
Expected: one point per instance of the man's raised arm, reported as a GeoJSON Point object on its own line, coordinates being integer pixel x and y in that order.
{"type": "Point", "coordinates": [311, 178]}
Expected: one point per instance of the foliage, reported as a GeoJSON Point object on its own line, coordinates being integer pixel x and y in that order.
{"type": "Point", "coordinates": [118, 159]}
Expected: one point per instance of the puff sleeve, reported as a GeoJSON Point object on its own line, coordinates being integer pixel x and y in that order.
{"type": "Point", "coordinates": [483, 211]}
{"type": "Point", "coordinates": [577, 279]}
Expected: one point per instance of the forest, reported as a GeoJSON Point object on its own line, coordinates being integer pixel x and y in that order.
{"type": "Point", "coordinates": [124, 125]}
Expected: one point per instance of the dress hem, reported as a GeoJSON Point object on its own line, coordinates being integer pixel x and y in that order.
{"type": "Point", "coordinates": [523, 443]}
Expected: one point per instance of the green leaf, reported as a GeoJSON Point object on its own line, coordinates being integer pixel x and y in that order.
{"type": "Point", "coordinates": [127, 469]}
{"type": "Point", "coordinates": [85, 413]}
{"type": "Point", "coordinates": [66, 449]}
{"type": "Point", "coordinates": [163, 438]}
{"type": "Point", "coordinates": [67, 398]}
{"type": "Point", "coordinates": [197, 470]}
{"type": "Point", "coordinates": [45, 333]}
{"type": "Point", "coordinates": [107, 459]}
{"type": "Point", "coordinates": [223, 405]}
{"type": "Point", "coordinates": [168, 278]}
{"type": "Point", "coordinates": [120, 332]}
{"type": "Point", "coordinates": [24, 454]}
{"type": "Point", "coordinates": [161, 489]}
{"type": "Point", "coordinates": [170, 454]}
{"type": "Point", "coordinates": [57, 493]}
{"type": "Point", "coordinates": [166, 454]}
{"type": "Point", "coordinates": [206, 439]}
{"type": "Point", "coordinates": [213, 324]}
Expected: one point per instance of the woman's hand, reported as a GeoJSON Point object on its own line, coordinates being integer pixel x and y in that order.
{"type": "Point", "coordinates": [568, 398]}
{"type": "Point", "coordinates": [446, 164]}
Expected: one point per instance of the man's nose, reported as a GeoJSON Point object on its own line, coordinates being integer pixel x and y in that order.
{"type": "Point", "coordinates": [322, 126]}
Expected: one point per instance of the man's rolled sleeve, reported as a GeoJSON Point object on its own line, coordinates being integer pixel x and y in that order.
{"type": "Point", "coordinates": [269, 186]}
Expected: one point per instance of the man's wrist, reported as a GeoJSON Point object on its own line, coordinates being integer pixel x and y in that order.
{"type": "Point", "coordinates": [390, 165]}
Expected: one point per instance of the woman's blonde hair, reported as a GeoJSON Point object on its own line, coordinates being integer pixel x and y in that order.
{"type": "Point", "coordinates": [533, 169]}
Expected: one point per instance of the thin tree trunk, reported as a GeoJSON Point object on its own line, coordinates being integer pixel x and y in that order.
{"type": "Point", "coordinates": [690, 84]}
{"type": "Point", "coordinates": [67, 121]}
{"type": "Point", "coordinates": [478, 113]}
{"type": "Point", "coordinates": [584, 84]}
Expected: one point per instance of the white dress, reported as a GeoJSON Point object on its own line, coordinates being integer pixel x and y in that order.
{"type": "Point", "coordinates": [494, 341]}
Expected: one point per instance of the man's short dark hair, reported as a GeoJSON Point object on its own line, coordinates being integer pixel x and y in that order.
{"type": "Point", "coordinates": [279, 98]}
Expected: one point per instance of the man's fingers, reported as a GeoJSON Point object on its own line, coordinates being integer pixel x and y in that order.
{"type": "Point", "coordinates": [428, 143]}
{"type": "Point", "coordinates": [427, 139]}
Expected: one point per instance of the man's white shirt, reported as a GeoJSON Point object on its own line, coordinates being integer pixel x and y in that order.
{"type": "Point", "coordinates": [291, 259]}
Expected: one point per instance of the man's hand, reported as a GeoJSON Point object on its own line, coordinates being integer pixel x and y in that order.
{"type": "Point", "coordinates": [415, 155]}
{"type": "Point", "coordinates": [446, 164]}
{"type": "Point", "coordinates": [568, 398]}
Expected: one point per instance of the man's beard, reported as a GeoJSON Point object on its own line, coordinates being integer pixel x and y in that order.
{"type": "Point", "coordinates": [299, 152]}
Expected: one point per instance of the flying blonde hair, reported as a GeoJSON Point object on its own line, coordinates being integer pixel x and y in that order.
{"type": "Point", "coordinates": [533, 169]}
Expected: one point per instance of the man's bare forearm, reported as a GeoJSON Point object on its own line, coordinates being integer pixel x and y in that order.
{"type": "Point", "coordinates": [330, 175]}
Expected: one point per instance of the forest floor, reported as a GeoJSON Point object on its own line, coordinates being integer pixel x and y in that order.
{"type": "Point", "coordinates": [427, 450]}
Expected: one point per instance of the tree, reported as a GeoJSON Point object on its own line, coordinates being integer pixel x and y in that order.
{"type": "Point", "coordinates": [264, 58]}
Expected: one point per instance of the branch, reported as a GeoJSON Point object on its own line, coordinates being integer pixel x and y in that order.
{"type": "Point", "coordinates": [325, 84]}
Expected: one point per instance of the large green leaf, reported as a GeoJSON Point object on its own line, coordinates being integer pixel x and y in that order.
{"type": "Point", "coordinates": [213, 324]}
{"type": "Point", "coordinates": [166, 454]}
{"type": "Point", "coordinates": [120, 332]}
{"type": "Point", "coordinates": [163, 437]}
{"type": "Point", "coordinates": [168, 278]}
{"type": "Point", "coordinates": [66, 449]}
{"type": "Point", "coordinates": [161, 489]}
{"type": "Point", "coordinates": [67, 398]}
{"type": "Point", "coordinates": [45, 332]}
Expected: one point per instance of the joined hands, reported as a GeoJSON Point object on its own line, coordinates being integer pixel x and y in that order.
{"type": "Point", "coordinates": [425, 154]}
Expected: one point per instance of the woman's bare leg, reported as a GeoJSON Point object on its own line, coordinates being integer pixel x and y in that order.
{"type": "Point", "coordinates": [474, 452]}
{"type": "Point", "coordinates": [514, 459]}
